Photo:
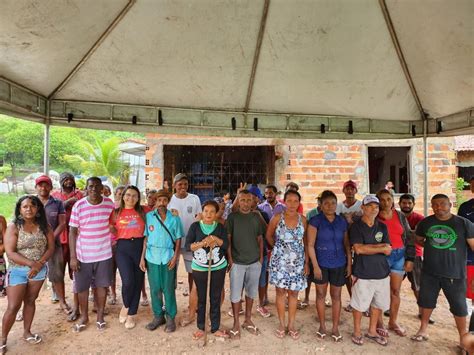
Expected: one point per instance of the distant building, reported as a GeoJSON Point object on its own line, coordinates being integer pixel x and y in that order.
{"type": "Point", "coordinates": [222, 163]}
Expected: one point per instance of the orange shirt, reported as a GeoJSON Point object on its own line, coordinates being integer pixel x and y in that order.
{"type": "Point", "coordinates": [129, 224]}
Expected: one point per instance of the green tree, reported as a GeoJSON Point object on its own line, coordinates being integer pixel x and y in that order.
{"type": "Point", "coordinates": [104, 160]}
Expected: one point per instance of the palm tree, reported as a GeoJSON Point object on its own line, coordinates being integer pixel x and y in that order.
{"type": "Point", "coordinates": [104, 160]}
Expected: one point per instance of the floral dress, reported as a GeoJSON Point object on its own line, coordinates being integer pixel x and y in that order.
{"type": "Point", "coordinates": [287, 260]}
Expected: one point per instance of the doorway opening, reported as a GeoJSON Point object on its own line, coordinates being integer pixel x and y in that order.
{"type": "Point", "coordinates": [389, 164]}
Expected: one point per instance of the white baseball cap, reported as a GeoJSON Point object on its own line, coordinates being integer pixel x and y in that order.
{"type": "Point", "coordinates": [370, 199]}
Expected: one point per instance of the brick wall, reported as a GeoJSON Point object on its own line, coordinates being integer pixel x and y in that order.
{"type": "Point", "coordinates": [317, 165]}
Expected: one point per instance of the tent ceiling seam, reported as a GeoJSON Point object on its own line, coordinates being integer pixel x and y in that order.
{"type": "Point", "coordinates": [401, 57]}
{"type": "Point", "coordinates": [94, 47]}
{"type": "Point", "coordinates": [258, 47]}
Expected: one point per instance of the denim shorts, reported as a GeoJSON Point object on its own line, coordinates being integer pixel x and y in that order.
{"type": "Point", "coordinates": [396, 261]}
{"type": "Point", "coordinates": [244, 277]}
{"type": "Point", "coordinates": [18, 275]}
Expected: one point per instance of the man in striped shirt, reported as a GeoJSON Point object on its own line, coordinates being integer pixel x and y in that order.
{"type": "Point", "coordinates": [91, 249]}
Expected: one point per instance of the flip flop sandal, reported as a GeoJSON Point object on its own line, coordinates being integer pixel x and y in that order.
{"type": "Point", "coordinates": [186, 321]}
{"type": "Point", "coordinates": [112, 301]}
{"type": "Point", "coordinates": [337, 338]}
{"type": "Point", "coordinates": [198, 335]}
{"type": "Point", "coordinates": [100, 325]}
{"type": "Point", "coordinates": [234, 334]}
{"type": "Point", "coordinates": [72, 316]}
{"type": "Point", "coordinates": [34, 339]}
{"type": "Point", "coordinates": [252, 329]}
{"type": "Point", "coordinates": [263, 312]}
{"type": "Point", "coordinates": [3, 349]}
{"type": "Point", "coordinates": [320, 335]}
{"type": "Point", "coordinates": [378, 339]}
{"type": "Point", "coordinates": [222, 334]}
{"type": "Point", "coordinates": [19, 317]}
{"type": "Point", "coordinates": [419, 338]}
{"type": "Point", "coordinates": [399, 331]}
{"type": "Point", "coordinates": [382, 332]}
{"type": "Point", "coordinates": [357, 340]}
{"type": "Point", "coordinates": [77, 328]}
{"type": "Point", "coordinates": [302, 305]}
{"type": "Point", "coordinates": [294, 334]}
{"type": "Point", "coordinates": [280, 334]}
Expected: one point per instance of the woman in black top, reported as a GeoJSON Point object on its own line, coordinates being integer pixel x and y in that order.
{"type": "Point", "coordinates": [208, 239]}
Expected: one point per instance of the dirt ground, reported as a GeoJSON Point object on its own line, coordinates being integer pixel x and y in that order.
{"type": "Point", "coordinates": [58, 337]}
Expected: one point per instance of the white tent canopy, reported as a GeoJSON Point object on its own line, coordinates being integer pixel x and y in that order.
{"type": "Point", "coordinates": [380, 68]}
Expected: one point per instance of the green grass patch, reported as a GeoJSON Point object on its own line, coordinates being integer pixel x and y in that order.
{"type": "Point", "coordinates": [7, 205]}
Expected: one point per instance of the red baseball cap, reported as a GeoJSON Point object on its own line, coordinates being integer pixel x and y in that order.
{"type": "Point", "coordinates": [43, 178]}
{"type": "Point", "coordinates": [349, 183]}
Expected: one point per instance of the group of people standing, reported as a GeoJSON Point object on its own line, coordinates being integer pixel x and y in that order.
{"type": "Point", "coordinates": [367, 245]}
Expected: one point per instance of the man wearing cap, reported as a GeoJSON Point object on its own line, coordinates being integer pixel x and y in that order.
{"type": "Point", "coordinates": [161, 248]}
{"type": "Point", "coordinates": [445, 238]}
{"type": "Point", "coordinates": [370, 271]}
{"type": "Point", "coordinates": [69, 195]}
{"type": "Point", "coordinates": [350, 208]}
{"type": "Point", "coordinates": [189, 208]}
{"type": "Point", "coordinates": [56, 216]}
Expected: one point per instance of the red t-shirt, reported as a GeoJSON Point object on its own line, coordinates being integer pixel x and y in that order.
{"type": "Point", "coordinates": [395, 230]}
{"type": "Point", "coordinates": [64, 236]}
{"type": "Point", "coordinates": [129, 224]}
{"type": "Point", "coordinates": [413, 219]}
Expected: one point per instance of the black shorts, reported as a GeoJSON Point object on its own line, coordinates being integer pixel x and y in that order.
{"type": "Point", "coordinates": [415, 275]}
{"type": "Point", "coordinates": [453, 289]}
{"type": "Point", "coordinates": [335, 276]}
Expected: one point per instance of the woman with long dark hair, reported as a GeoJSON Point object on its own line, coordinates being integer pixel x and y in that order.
{"type": "Point", "coordinates": [400, 260]}
{"type": "Point", "coordinates": [29, 243]}
{"type": "Point", "coordinates": [127, 223]}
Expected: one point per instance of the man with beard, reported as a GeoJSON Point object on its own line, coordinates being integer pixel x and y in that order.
{"type": "Point", "coordinates": [407, 204]}
{"type": "Point", "coordinates": [56, 216]}
{"type": "Point", "coordinates": [271, 206]}
{"type": "Point", "coordinates": [69, 195]}
{"type": "Point", "coordinates": [91, 250]}
{"type": "Point", "coordinates": [446, 238]}
{"type": "Point", "coordinates": [163, 233]}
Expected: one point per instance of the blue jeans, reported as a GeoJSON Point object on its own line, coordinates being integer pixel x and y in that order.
{"type": "Point", "coordinates": [262, 282]}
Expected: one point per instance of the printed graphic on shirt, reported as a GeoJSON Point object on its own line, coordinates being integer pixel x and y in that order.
{"type": "Point", "coordinates": [378, 237]}
{"type": "Point", "coordinates": [190, 209]}
{"type": "Point", "coordinates": [441, 237]}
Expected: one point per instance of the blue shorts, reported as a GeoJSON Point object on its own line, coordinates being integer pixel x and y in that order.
{"type": "Point", "coordinates": [18, 275]}
{"type": "Point", "coordinates": [396, 261]}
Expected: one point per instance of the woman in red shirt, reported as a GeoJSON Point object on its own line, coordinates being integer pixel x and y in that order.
{"type": "Point", "coordinates": [400, 260]}
{"type": "Point", "coordinates": [127, 223]}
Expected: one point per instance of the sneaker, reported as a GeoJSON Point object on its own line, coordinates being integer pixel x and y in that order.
{"type": "Point", "coordinates": [155, 323]}
{"type": "Point", "coordinates": [54, 298]}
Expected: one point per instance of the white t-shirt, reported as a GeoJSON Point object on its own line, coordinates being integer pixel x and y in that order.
{"type": "Point", "coordinates": [187, 208]}
{"type": "Point", "coordinates": [356, 207]}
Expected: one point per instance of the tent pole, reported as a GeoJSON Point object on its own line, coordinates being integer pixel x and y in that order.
{"type": "Point", "coordinates": [46, 138]}
{"type": "Point", "coordinates": [425, 167]}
